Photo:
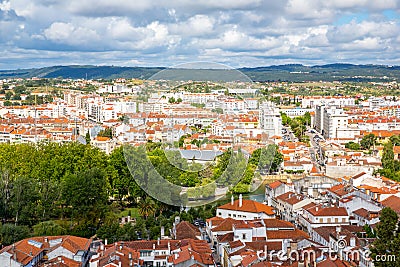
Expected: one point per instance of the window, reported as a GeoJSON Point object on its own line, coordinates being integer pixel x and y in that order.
{"type": "Point", "coordinates": [329, 220]}
{"type": "Point", "coordinates": [230, 215]}
{"type": "Point", "coordinates": [243, 236]}
{"type": "Point", "coordinates": [219, 213]}
{"type": "Point", "coordinates": [234, 215]}
{"type": "Point", "coordinates": [336, 220]}
{"type": "Point", "coordinates": [320, 220]}
{"type": "Point", "coordinates": [343, 219]}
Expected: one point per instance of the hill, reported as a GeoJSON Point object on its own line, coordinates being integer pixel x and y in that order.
{"type": "Point", "coordinates": [290, 72]}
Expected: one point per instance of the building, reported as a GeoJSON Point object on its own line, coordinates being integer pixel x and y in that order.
{"type": "Point", "coordinates": [334, 119]}
{"type": "Point", "coordinates": [316, 215]}
{"type": "Point", "coordinates": [105, 144]}
{"type": "Point", "coordinates": [245, 209]}
{"type": "Point", "coordinates": [289, 204]}
{"type": "Point", "coordinates": [270, 119]}
{"type": "Point", "coordinates": [40, 250]}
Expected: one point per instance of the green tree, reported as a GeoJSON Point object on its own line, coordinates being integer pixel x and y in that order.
{"type": "Point", "coordinates": [147, 207]}
{"type": "Point", "coordinates": [124, 185]}
{"type": "Point", "coordinates": [86, 194]}
{"type": "Point", "coordinates": [395, 139]}
{"type": "Point", "coordinates": [11, 233]}
{"type": "Point", "coordinates": [388, 156]}
{"type": "Point", "coordinates": [368, 141]}
{"type": "Point", "coordinates": [388, 241]}
{"type": "Point", "coordinates": [87, 138]}
{"type": "Point", "coordinates": [307, 118]}
{"type": "Point", "coordinates": [352, 145]}
{"type": "Point", "coordinates": [48, 228]}
{"type": "Point", "coordinates": [286, 120]}
{"type": "Point", "coordinates": [107, 132]}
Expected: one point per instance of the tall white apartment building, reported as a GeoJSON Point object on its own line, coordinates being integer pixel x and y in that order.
{"type": "Point", "coordinates": [334, 121]}
{"type": "Point", "coordinates": [319, 118]}
{"type": "Point", "coordinates": [270, 119]}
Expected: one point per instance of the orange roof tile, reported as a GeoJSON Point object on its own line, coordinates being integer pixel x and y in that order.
{"type": "Point", "coordinates": [249, 206]}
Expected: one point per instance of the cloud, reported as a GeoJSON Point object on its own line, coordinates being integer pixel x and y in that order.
{"type": "Point", "coordinates": [67, 33]}
{"type": "Point", "coordinates": [237, 32]}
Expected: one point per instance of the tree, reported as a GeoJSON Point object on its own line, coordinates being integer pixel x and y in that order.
{"type": "Point", "coordinates": [171, 100]}
{"type": "Point", "coordinates": [86, 194]}
{"type": "Point", "coordinates": [8, 95]}
{"type": "Point", "coordinates": [87, 138]}
{"type": "Point", "coordinates": [285, 119]}
{"type": "Point", "coordinates": [307, 118]}
{"type": "Point", "coordinates": [48, 228]}
{"type": "Point", "coordinates": [395, 139]}
{"type": "Point", "coordinates": [352, 145]}
{"type": "Point", "coordinates": [368, 140]}
{"type": "Point", "coordinates": [147, 207]}
{"type": "Point", "coordinates": [388, 156]}
{"type": "Point", "coordinates": [388, 240]}
{"type": "Point", "coordinates": [107, 132]}
{"type": "Point", "coordinates": [11, 233]}
{"type": "Point", "coordinates": [124, 184]}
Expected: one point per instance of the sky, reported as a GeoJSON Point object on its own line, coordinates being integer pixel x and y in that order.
{"type": "Point", "coordinates": [237, 33]}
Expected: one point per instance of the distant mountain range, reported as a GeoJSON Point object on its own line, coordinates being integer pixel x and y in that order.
{"type": "Point", "coordinates": [290, 72]}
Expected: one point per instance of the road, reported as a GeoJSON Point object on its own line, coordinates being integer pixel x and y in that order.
{"type": "Point", "coordinates": [315, 150]}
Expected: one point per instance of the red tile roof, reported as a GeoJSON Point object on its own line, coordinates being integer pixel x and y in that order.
{"type": "Point", "coordinates": [275, 184]}
{"type": "Point", "coordinates": [248, 206]}
{"type": "Point", "coordinates": [185, 230]}
{"type": "Point", "coordinates": [392, 202]}
{"type": "Point", "coordinates": [327, 211]}
{"type": "Point", "coordinates": [286, 234]}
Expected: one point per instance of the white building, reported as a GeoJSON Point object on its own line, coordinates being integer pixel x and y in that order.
{"type": "Point", "coordinates": [314, 216]}
{"type": "Point", "coordinates": [270, 119]}
{"type": "Point", "coordinates": [245, 209]}
{"type": "Point", "coordinates": [334, 120]}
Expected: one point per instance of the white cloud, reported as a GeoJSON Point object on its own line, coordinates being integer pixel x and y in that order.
{"type": "Point", "coordinates": [195, 26]}
{"type": "Point", "coordinates": [67, 33]}
{"type": "Point", "coordinates": [5, 6]}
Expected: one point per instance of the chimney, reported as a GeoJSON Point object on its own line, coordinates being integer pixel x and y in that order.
{"type": "Point", "coordinates": [240, 200]}
{"type": "Point", "coordinates": [154, 246]}
{"type": "Point", "coordinates": [352, 241]}
{"type": "Point", "coordinates": [158, 241]}
{"type": "Point", "coordinates": [119, 264]}
{"type": "Point", "coordinates": [232, 199]}
{"type": "Point", "coordinates": [316, 208]}
{"type": "Point", "coordinates": [169, 247]}
{"type": "Point", "coordinates": [102, 247]}
{"type": "Point", "coordinates": [46, 240]}
{"type": "Point", "coordinates": [176, 256]}
{"type": "Point", "coordinates": [338, 229]}
{"type": "Point", "coordinates": [130, 255]}
{"type": "Point", "coordinates": [162, 231]}
{"type": "Point", "coordinates": [105, 242]}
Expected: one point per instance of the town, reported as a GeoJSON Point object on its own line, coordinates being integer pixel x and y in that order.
{"type": "Point", "coordinates": [316, 180]}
